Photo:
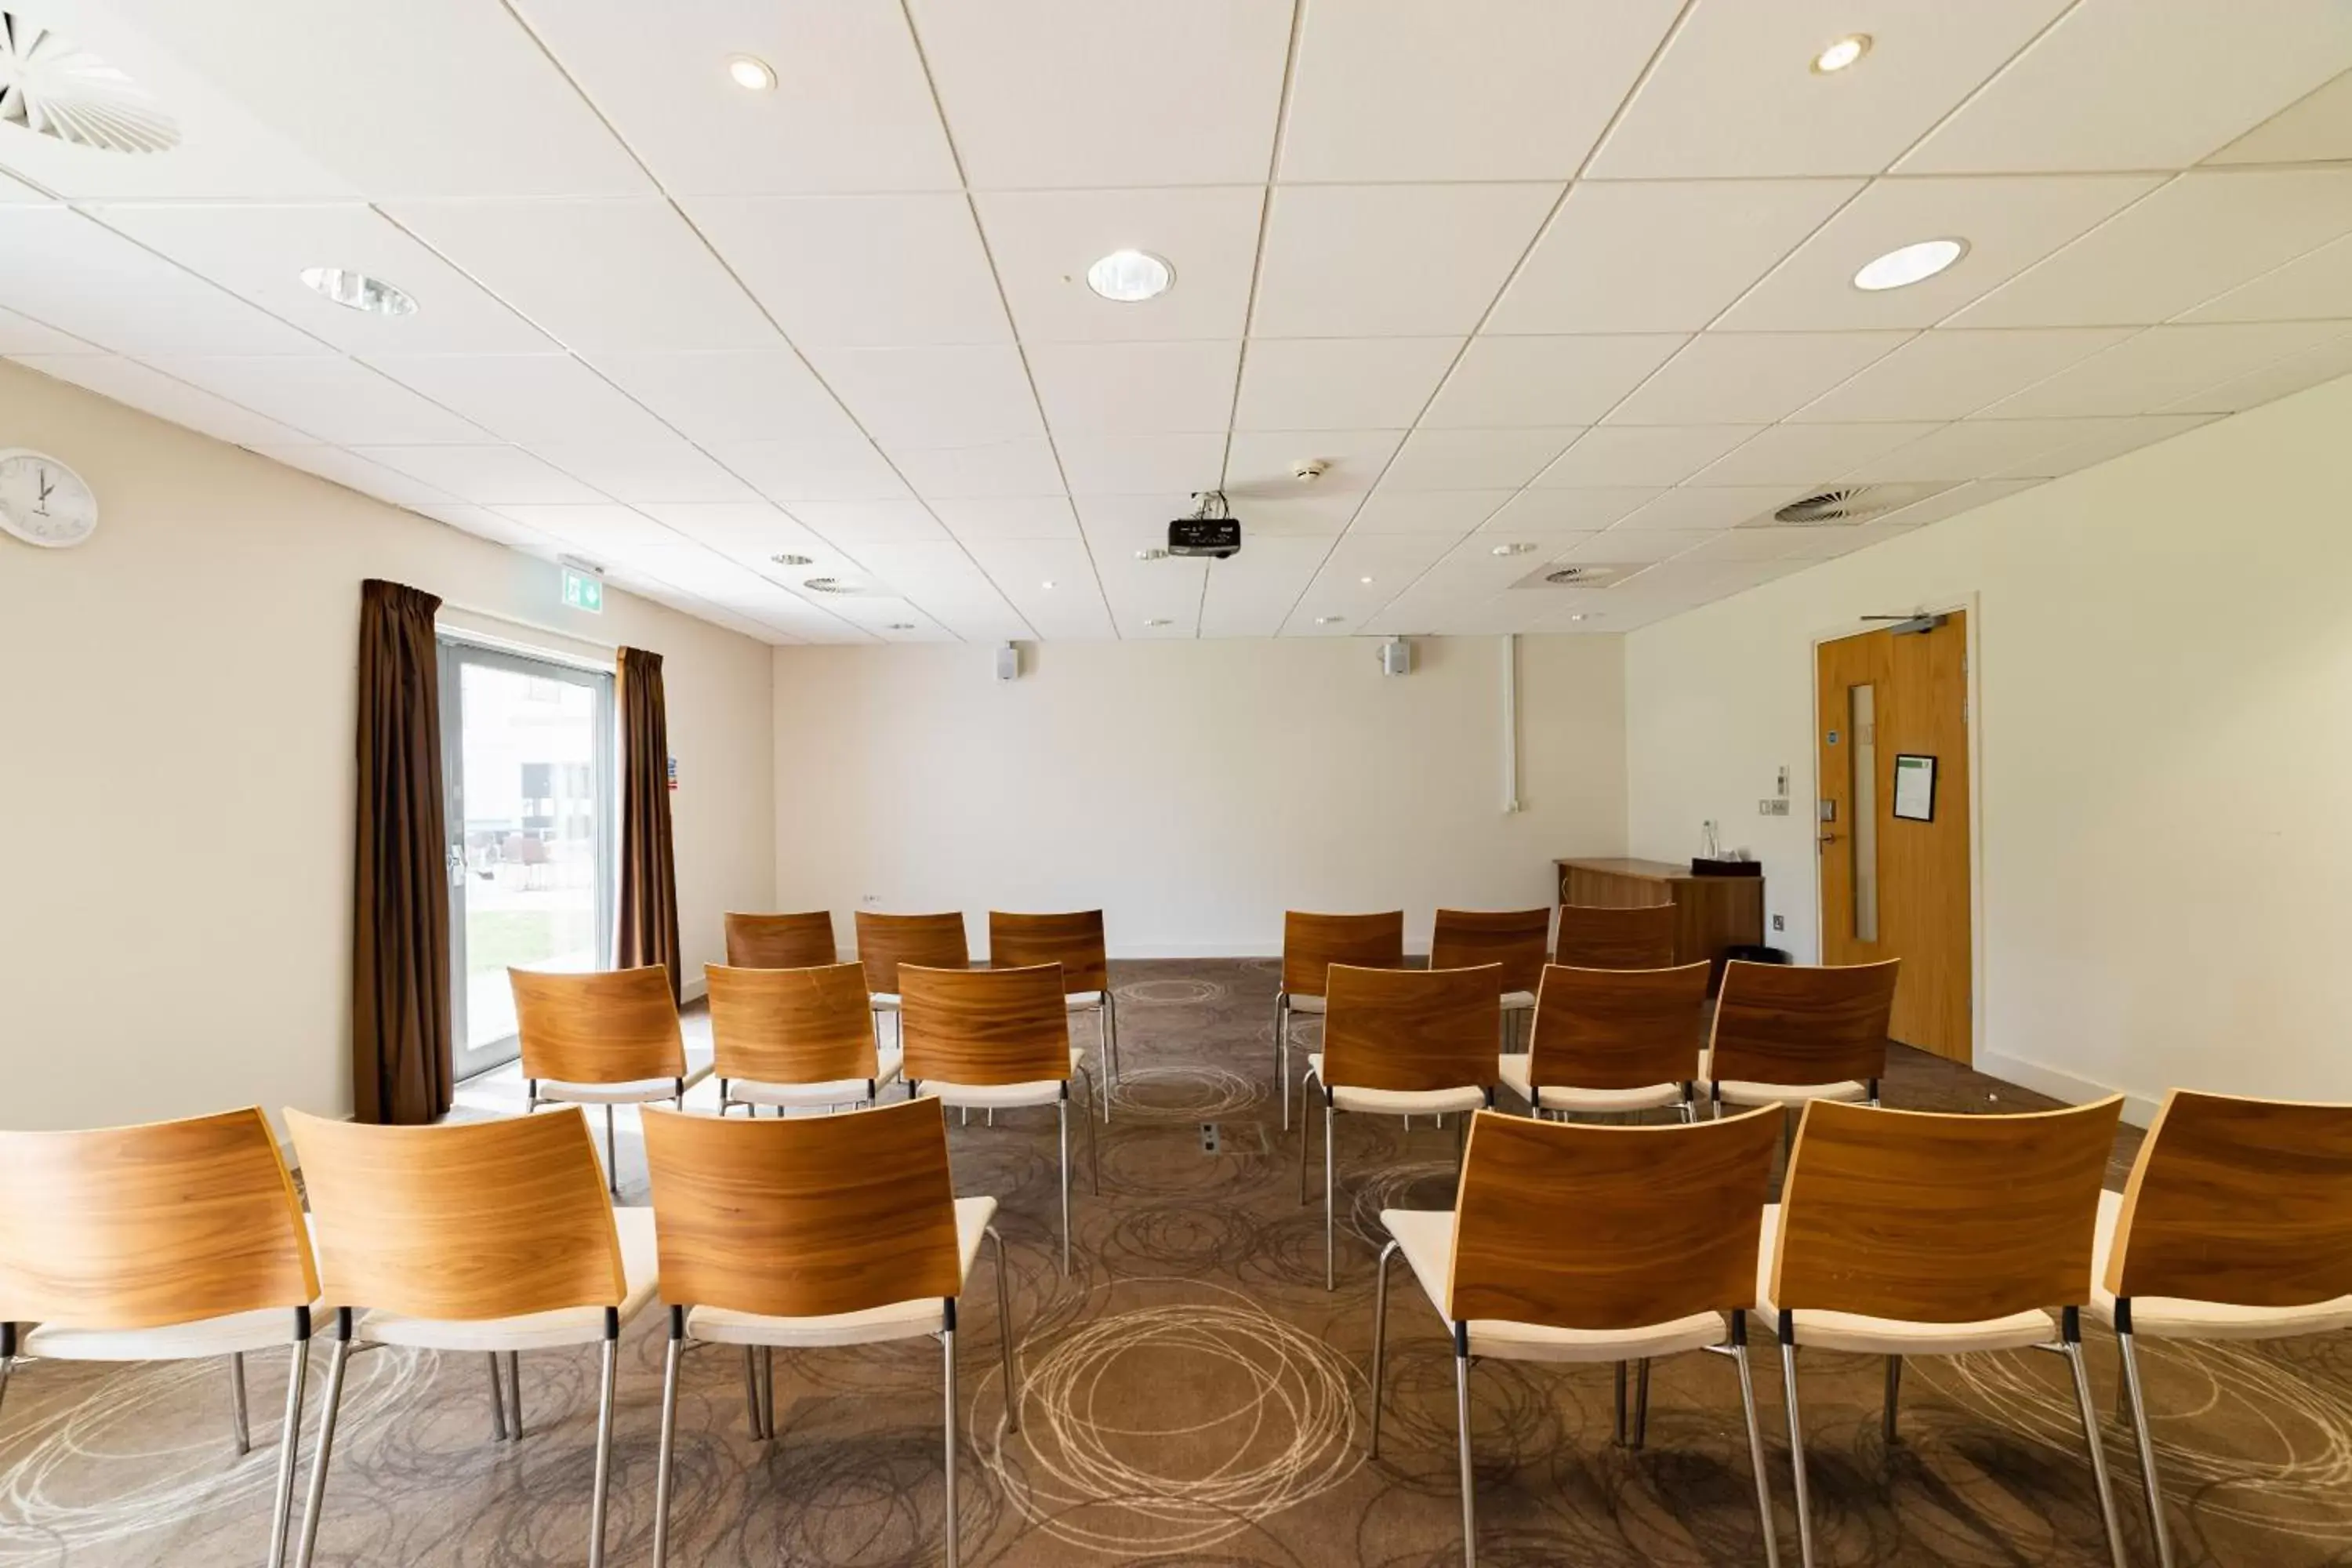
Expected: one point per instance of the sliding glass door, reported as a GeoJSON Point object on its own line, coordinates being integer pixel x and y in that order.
{"type": "Point", "coordinates": [527, 755]}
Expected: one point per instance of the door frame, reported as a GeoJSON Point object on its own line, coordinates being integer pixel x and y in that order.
{"type": "Point", "coordinates": [1968, 604]}
{"type": "Point", "coordinates": [470, 1061]}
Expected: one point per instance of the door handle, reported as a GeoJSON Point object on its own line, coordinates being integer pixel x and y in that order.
{"type": "Point", "coordinates": [1829, 838]}
{"type": "Point", "coordinates": [457, 859]}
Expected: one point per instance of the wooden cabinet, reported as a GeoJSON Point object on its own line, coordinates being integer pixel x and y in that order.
{"type": "Point", "coordinates": [1711, 914]}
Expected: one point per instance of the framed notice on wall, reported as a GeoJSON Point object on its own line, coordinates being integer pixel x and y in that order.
{"type": "Point", "coordinates": [1915, 787]}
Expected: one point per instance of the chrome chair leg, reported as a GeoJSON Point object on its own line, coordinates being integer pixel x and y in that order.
{"type": "Point", "coordinates": [328, 1409]}
{"type": "Point", "coordinates": [1306, 1142]}
{"type": "Point", "coordinates": [611, 1155]}
{"type": "Point", "coordinates": [663, 1466]}
{"type": "Point", "coordinates": [1004, 1337]}
{"type": "Point", "coordinates": [1330, 1199]}
{"type": "Point", "coordinates": [947, 1347]}
{"type": "Point", "coordinates": [768, 1393]}
{"type": "Point", "coordinates": [1738, 1351]}
{"type": "Point", "coordinates": [1110, 1024]}
{"type": "Point", "coordinates": [603, 1482]}
{"type": "Point", "coordinates": [751, 1394]}
{"type": "Point", "coordinates": [1462, 1427]}
{"type": "Point", "coordinates": [239, 1425]}
{"type": "Point", "coordinates": [514, 1393]}
{"type": "Point", "coordinates": [1281, 1052]}
{"type": "Point", "coordinates": [1380, 1338]}
{"type": "Point", "coordinates": [1093, 1148]}
{"type": "Point", "coordinates": [289, 1439]}
{"type": "Point", "coordinates": [1617, 1435]}
{"type": "Point", "coordinates": [1796, 1449]}
{"type": "Point", "coordinates": [1641, 1403]}
{"type": "Point", "coordinates": [1893, 1395]}
{"type": "Point", "coordinates": [1064, 1111]}
{"type": "Point", "coordinates": [2129, 1352]}
{"type": "Point", "coordinates": [498, 1401]}
{"type": "Point", "coordinates": [2073, 1347]}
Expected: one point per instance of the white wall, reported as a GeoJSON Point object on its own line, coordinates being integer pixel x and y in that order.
{"type": "Point", "coordinates": [1192, 790]}
{"type": "Point", "coordinates": [2164, 734]}
{"type": "Point", "coordinates": [177, 706]}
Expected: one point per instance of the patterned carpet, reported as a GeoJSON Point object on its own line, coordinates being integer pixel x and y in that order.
{"type": "Point", "coordinates": [1192, 1396]}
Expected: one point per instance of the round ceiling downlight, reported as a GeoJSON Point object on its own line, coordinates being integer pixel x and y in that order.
{"type": "Point", "coordinates": [1911, 264]}
{"type": "Point", "coordinates": [1130, 276]}
{"type": "Point", "coordinates": [1842, 54]}
{"type": "Point", "coordinates": [751, 73]}
{"type": "Point", "coordinates": [357, 291]}
{"type": "Point", "coordinates": [51, 86]}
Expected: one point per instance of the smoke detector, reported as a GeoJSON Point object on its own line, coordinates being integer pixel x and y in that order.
{"type": "Point", "coordinates": [51, 86]}
{"type": "Point", "coordinates": [1579, 575]}
{"type": "Point", "coordinates": [1845, 505]}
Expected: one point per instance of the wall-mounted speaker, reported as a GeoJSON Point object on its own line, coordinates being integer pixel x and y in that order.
{"type": "Point", "coordinates": [1008, 663]}
{"type": "Point", "coordinates": [1396, 656]}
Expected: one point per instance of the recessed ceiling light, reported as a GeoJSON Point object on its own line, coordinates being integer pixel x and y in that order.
{"type": "Point", "coordinates": [1364, 580]}
{"type": "Point", "coordinates": [1911, 264]}
{"type": "Point", "coordinates": [359, 290]}
{"type": "Point", "coordinates": [1046, 584]}
{"type": "Point", "coordinates": [1512, 549]}
{"type": "Point", "coordinates": [750, 74]}
{"type": "Point", "coordinates": [1842, 54]}
{"type": "Point", "coordinates": [1577, 617]}
{"type": "Point", "coordinates": [1329, 620]}
{"type": "Point", "coordinates": [1160, 621]}
{"type": "Point", "coordinates": [1130, 276]}
{"type": "Point", "coordinates": [1153, 553]}
{"type": "Point", "coordinates": [788, 559]}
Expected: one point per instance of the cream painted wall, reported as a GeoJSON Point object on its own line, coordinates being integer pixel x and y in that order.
{"type": "Point", "coordinates": [177, 707]}
{"type": "Point", "coordinates": [1193, 790]}
{"type": "Point", "coordinates": [2163, 676]}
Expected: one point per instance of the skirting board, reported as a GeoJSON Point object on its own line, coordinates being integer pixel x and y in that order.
{"type": "Point", "coordinates": [2138, 1109]}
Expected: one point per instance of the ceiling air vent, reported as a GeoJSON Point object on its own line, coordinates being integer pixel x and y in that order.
{"type": "Point", "coordinates": [53, 87]}
{"type": "Point", "coordinates": [1845, 505]}
{"type": "Point", "coordinates": [1578, 574]}
{"type": "Point", "coordinates": [833, 585]}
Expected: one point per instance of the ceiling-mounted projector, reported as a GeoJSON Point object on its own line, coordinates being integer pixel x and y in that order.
{"type": "Point", "coordinates": [1211, 530]}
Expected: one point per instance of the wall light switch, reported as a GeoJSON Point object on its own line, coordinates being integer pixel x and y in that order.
{"type": "Point", "coordinates": [1776, 807]}
{"type": "Point", "coordinates": [1779, 922]}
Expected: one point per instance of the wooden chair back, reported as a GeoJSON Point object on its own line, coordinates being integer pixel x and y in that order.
{"type": "Point", "coordinates": [1312, 943]}
{"type": "Point", "coordinates": [804, 1216]}
{"type": "Point", "coordinates": [464, 1220]}
{"type": "Point", "coordinates": [614, 1025]}
{"type": "Point", "coordinates": [1518, 940]}
{"type": "Point", "coordinates": [792, 1025]}
{"type": "Point", "coordinates": [1073, 940]}
{"type": "Point", "coordinates": [1776, 1023]}
{"type": "Point", "coordinates": [1591, 937]}
{"type": "Point", "coordinates": [984, 1025]}
{"type": "Point", "coordinates": [780, 941]}
{"type": "Point", "coordinates": [2247, 1202]}
{"type": "Point", "coordinates": [1414, 1030]}
{"type": "Point", "coordinates": [1617, 1028]}
{"type": "Point", "coordinates": [1933, 1217]}
{"type": "Point", "coordinates": [1666, 1220]}
{"type": "Point", "coordinates": [135, 1228]}
{"type": "Point", "coordinates": [886, 941]}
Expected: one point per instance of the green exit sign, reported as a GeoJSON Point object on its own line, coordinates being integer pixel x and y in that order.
{"type": "Point", "coordinates": [583, 592]}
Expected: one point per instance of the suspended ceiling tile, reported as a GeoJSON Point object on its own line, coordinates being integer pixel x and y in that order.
{"type": "Point", "coordinates": [2309, 288]}
{"type": "Point", "coordinates": [1951, 374]}
{"type": "Point", "coordinates": [1007, 517]}
{"type": "Point", "coordinates": [721, 396]}
{"type": "Point", "coordinates": [1266, 462]}
{"type": "Point", "coordinates": [1807, 453]}
{"type": "Point", "coordinates": [1449, 512]}
{"type": "Point", "coordinates": [1339, 384]}
{"type": "Point", "coordinates": [1535, 381]}
{"type": "Point", "coordinates": [2163, 365]}
{"type": "Point", "coordinates": [1733, 378]}
{"type": "Point", "coordinates": [1133, 465]}
{"type": "Point", "coordinates": [331, 398]}
{"type": "Point", "coordinates": [670, 470]}
{"type": "Point", "coordinates": [1473, 459]}
{"type": "Point", "coordinates": [790, 471]}
{"type": "Point", "coordinates": [1025, 467]}
{"type": "Point", "coordinates": [1391, 260]}
{"type": "Point", "coordinates": [2315, 129]}
{"type": "Point", "coordinates": [355, 472]}
{"type": "Point", "coordinates": [143, 387]}
{"type": "Point", "coordinates": [1543, 514]}
{"type": "Point", "coordinates": [68, 271]}
{"type": "Point", "coordinates": [2120, 436]}
{"type": "Point", "coordinates": [2291, 375]}
{"type": "Point", "coordinates": [1691, 508]}
{"type": "Point", "coordinates": [1043, 241]}
{"type": "Point", "coordinates": [525, 397]}
{"type": "Point", "coordinates": [1135, 389]}
{"type": "Point", "coordinates": [957, 396]}
{"type": "Point", "coordinates": [496, 477]}
{"type": "Point", "coordinates": [1612, 455]}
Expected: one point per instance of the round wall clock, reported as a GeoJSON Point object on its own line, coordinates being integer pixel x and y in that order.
{"type": "Point", "coordinates": [44, 502]}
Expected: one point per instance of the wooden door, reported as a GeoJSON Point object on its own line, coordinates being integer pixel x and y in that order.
{"type": "Point", "coordinates": [1892, 885]}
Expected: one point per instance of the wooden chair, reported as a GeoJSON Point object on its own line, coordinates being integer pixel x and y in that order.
{"type": "Point", "coordinates": [1311, 945]}
{"type": "Point", "coordinates": [1787, 1033]}
{"type": "Point", "coordinates": [886, 941]}
{"type": "Point", "coordinates": [820, 1232]}
{"type": "Point", "coordinates": [1518, 940]}
{"type": "Point", "coordinates": [1591, 937]}
{"type": "Point", "coordinates": [780, 941]}
{"type": "Point", "coordinates": [1611, 1041]}
{"type": "Point", "coordinates": [996, 1040]}
{"type": "Point", "coordinates": [1075, 942]}
{"type": "Point", "coordinates": [2236, 1224]}
{"type": "Point", "coordinates": [1661, 1259]}
{"type": "Point", "coordinates": [1400, 1042]}
{"type": "Point", "coordinates": [1903, 1233]}
{"type": "Point", "coordinates": [172, 1241]}
{"type": "Point", "coordinates": [481, 1238]}
{"type": "Point", "coordinates": [794, 1039]}
{"type": "Point", "coordinates": [608, 1038]}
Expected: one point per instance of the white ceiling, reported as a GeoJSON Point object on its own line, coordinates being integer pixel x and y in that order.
{"type": "Point", "coordinates": [1572, 275]}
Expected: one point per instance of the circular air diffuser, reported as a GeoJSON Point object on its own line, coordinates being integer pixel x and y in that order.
{"type": "Point", "coordinates": [53, 87]}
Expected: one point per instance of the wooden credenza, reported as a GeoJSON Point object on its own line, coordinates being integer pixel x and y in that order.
{"type": "Point", "coordinates": [1711, 914]}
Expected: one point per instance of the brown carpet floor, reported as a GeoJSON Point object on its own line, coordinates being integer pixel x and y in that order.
{"type": "Point", "coordinates": [1192, 1396]}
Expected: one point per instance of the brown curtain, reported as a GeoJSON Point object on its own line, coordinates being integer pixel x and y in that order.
{"type": "Point", "coordinates": [402, 1069]}
{"type": "Point", "coordinates": [648, 924]}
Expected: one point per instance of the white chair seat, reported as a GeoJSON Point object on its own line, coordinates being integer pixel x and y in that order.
{"type": "Point", "coordinates": [1514, 1072]}
{"type": "Point", "coordinates": [646, 1092]}
{"type": "Point", "coordinates": [1518, 1001]}
{"type": "Point", "coordinates": [803, 1096]}
{"type": "Point", "coordinates": [1307, 1003]}
{"type": "Point", "coordinates": [1892, 1336]}
{"type": "Point", "coordinates": [272, 1327]}
{"type": "Point", "coordinates": [898, 1320]}
{"type": "Point", "coordinates": [1733, 1091]}
{"type": "Point", "coordinates": [1083, 1001]}
{"type": "Point", "coordinates": [640, 1271]}
{"type": "Point", "coordinates": [882, 1001]}
{"type": "Point", "coordinates": [999, 1095]}
{"type": "Point", "coordinates": [1426, 1239]}
{"type": "Point", "coordinates": [1399, 1101]}
{"type": "Point", "coordinates": [2184, 1318]}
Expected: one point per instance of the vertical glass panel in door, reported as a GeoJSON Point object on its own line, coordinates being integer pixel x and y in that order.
{"type": "Point", "coordinates": [531, 794]}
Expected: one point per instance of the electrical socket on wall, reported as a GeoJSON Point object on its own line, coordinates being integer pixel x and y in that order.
{"type": "Point", "coordinates": [1777, 807]}
{"type": "Point", "coordinates": [1779, 922]}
